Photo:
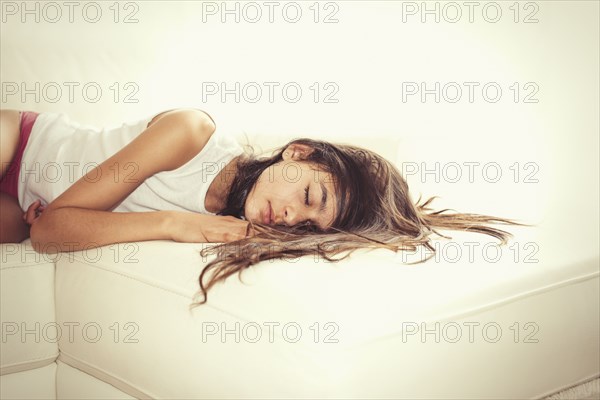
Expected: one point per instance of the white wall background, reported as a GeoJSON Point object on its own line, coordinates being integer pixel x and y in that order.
{"type": "Point", "coordinates": [166, 58]}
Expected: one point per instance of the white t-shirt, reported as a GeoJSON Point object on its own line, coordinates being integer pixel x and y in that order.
{"type": "Point", "coordinates": [60, 151]}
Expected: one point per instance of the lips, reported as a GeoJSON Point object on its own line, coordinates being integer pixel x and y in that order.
{"type": "Point", "coordinates": [267, 214]}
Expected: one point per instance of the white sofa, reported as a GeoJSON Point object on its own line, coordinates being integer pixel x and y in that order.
{"type": "Point", "coordinates": [542, 293]}
{"type": "Point", "coordinates": [295, 329]}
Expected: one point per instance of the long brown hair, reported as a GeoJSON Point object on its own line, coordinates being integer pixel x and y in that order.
{"type": "Point", "coordinates": [374, 211]}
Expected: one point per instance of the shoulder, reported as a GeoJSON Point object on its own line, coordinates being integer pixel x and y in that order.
{"type": "Point", "coordinates": [184, 132]}
{"type": "Point", "coordinates": [193, 118]}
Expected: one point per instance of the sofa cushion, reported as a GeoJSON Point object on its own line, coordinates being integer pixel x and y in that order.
{"type": "Point", "coordinates": [36, 383]}
{"type": "Point", "coordinates": [309, 328]}
{"type": "Point", "coordinates": [30, 333]}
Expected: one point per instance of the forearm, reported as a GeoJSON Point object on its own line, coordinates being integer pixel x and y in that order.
{"type": "Point", "coordinates": [71, 228]}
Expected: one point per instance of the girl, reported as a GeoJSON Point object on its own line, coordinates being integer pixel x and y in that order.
{"type": "Point", "coordinates": [174, 176]}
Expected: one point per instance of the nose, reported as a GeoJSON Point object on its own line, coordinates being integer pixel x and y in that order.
{"type": "Point", "coordinates": [291, 216]}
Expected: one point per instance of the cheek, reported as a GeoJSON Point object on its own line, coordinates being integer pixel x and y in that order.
{"type": "Point", "coordinates": [251, 201]}
{"type": "Point", "coordinates": [284, 191]}
{"type": "Point", "coordinates": [273, 186]}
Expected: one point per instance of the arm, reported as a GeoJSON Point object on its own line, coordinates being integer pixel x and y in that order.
{"type": "Point", "coordinates": [80, 218]}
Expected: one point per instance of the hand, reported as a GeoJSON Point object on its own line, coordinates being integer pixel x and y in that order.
{"type": "Point", "coordinates": [188, 227]}
{"type": "Point", "coordinates": [33, 213]}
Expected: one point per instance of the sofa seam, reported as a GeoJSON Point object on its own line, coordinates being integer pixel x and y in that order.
{"type": "Point", "coordinates": [5, 267]}
{"type": "Point", "coordinates": [101, 370]}
{"type": "Point", "coordinates": [489, 305]}
{"type": "Point", "coordinates": [45, 357]}
{"type": "Point", "coordinates": [107, 269]}
{"type": "Point", "coordinates": [171, 291]}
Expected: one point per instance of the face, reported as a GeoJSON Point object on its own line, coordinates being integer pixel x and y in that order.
{"type": "Point", "coordinates": [292, 192]}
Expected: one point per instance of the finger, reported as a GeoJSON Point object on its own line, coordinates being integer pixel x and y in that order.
{"type": "Point", "coordinates": [32, 212]}
{"type": "Point", "coordinates": [204, 238]}
{"type": "Point", "coordinates": [233, 236]}
{"type": "Point", "coordinates": [29, 220]}
{"type": "Point", "coordinates": [34, 205]}
{"type": "Point", "coordinates": [39, 211]}
{"type": "Point", "coordinates": [250, 231]}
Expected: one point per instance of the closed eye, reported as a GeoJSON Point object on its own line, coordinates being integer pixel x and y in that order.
{"type": "Point", "coordinates": [309, 223]}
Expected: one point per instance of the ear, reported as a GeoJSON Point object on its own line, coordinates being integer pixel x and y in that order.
{"type": "Point", "coordinates": [297, 152]}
